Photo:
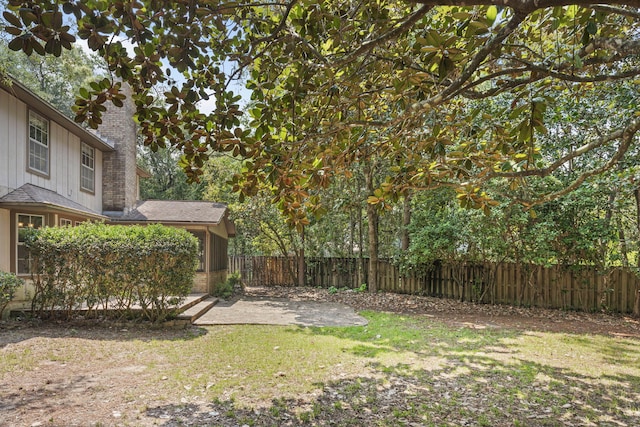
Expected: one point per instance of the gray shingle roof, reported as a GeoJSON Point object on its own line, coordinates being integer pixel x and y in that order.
{"type": "Point", "coordinates": [176, 211]}
{"type": "Point", "coordinates": [29, 194]}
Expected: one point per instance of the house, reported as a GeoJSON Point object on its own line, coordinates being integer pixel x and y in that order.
{"type": "Point", "coordinates": [207, 221]}
{"type": "Point", "coordinates": [54, 172]}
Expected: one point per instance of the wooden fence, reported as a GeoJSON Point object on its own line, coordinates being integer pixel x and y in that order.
{"type": "Point", "coordinates": [581, 288]}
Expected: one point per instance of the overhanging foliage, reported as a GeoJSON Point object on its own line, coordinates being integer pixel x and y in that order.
{"type": "Point", "coordinates": [334, 82]}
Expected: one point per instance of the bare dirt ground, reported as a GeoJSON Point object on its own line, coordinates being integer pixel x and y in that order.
{"type": "Point", "coordinates": [106, 387]}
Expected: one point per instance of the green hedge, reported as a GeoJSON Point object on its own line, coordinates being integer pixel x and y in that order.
{"type": "Point", "coordinates": [8, 285]}
{"type": "Point", "coordinates": [108, 270]}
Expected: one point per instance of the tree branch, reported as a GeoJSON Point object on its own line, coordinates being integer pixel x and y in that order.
{"type": "Point", "coordinates": [620, 46]}
{"type": "Point", "coordinates": [583, 79]}
{"type": "Point", "coordinates": [616, 10]}
{"type": "Point", "coordinates": [281, 25]}
{"type": "Point", "coordinates": [627, 138]}
{"type": "Point", "coordinates": [411, 20]}
{"type": "Point", "coordinates": [523, 6]}
{"type": "Point", "coordinates": [466, 74]}
{"type": "Point", "coordinates": [626, 135]}
{"type": "Point", "coordinates": [482, 54]}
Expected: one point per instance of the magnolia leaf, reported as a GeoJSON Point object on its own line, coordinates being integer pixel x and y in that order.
{"type": "Point", "coordinates": [12, 19]}
{"type": "Point", "coordinates": [492, 13]}
{"type": "Point", "coordinates": [16, 44]}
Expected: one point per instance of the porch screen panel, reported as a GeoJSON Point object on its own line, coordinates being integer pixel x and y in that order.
{"type": "Point", "coordinates": [218, 256]}
{"type": "Point", "coordinates": [200, 235]}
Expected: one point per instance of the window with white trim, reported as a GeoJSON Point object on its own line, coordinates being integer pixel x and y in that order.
{"type": "Point", "coordinates": [87, 168]}
{"type": "Point", "coordinates": [64, 222]}
{"type": "Point", "coordinates": [38, 143]}
{"type": "Point", "coordinates": [25, 223]}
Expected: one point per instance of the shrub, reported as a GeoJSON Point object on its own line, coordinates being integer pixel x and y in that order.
{"type": "Point", "coordinates": [223, 290]}
{"type": "Point", "coordinates": [234, 280]}
{"type": "Point", "coordinates": [98, 266]}
{"type": "Point", "coordinates": [226, 289]}
{"type": "Point", "coordinates": [8, 285]}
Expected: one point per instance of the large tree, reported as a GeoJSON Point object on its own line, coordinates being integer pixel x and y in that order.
{"type": "Point", "coordinates": [331, 80]}
{"type": "Point", "coordinates": [57, 80]}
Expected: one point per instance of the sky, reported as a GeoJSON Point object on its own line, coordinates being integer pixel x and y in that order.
{"type": "Point", "coordinates": [205, 106]}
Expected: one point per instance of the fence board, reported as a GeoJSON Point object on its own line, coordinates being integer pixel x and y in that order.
{"type": "Point", "coordinates": [556, 286]}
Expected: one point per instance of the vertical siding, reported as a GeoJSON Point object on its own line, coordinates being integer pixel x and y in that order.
{"type": "Point", "coordinates": [98, 184]}
{"type": "Point", "coordinates": [58, 153]}
{"type": "Point", "coordinates": [4, 144]}
{"type": "Point", "coordinates": [12, 141]}
{"type": "Point", "coordinates": [5, 240]}
{"type": "Point", "coordinates": [64, 157]}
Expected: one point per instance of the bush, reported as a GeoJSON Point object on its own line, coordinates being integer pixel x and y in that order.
{"type": "Point", "coordinates": [8, 285]}
{"type": "Point", "coordinates": [98, 266]}
{"type": "Point", "coordinates": [223, 290]}
{"type": "Point", "coordinates": [226, 289]}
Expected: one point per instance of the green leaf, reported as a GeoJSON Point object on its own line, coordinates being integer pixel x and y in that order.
{"type": "Point", "coordinates": [492, 13]}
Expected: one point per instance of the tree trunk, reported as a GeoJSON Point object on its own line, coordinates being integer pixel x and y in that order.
{"type": "Point", "coordinates": [352, 232]}
{"type": "Point", "coordinates": [361, 265]}
{"type": "Point", "coordinates": [301, 261]}
{"type": "Point", "coordinates": [636, 194]}
{"type": "Point", "coordinates": [622, 243]}
{"type": "Point", "coordinates": [604, 243]}
{"type": "Point", "coordinates": [372, 217]}
{"type": "Point", "coordinates": [636, 306]}
{"type": "Point", "coordinates": [406, 220]}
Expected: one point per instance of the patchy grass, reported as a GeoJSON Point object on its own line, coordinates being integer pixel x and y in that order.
{"type": "Point", "coordinates": [398, 370]}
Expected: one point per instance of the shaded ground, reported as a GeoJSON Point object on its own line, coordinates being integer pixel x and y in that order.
{"type": "Point", "coordinates": [111, 380]}
{"type": "Point", "coordinates": [466, 314]}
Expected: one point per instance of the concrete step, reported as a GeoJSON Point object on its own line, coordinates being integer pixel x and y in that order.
{"type": "Point", "coordinates": [192, 299]}
{"type": "Point", "coordinates": [197, 310]}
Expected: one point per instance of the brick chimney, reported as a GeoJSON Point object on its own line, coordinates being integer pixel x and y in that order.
{"type": "Point", "coordinates": [119, 180]}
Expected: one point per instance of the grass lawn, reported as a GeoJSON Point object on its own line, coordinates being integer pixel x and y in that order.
{"type": "Point", "coordinates": [398, 370]}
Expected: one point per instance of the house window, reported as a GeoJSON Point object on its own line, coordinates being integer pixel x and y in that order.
{"type": "Point", "coordinates": [65, 222]}
{"type": "Point", "coordinates": [87, 168]}
{"type": "Point", "coordinates": [38, 143]}
{"type": "Point", "coordinates": [25, 223]}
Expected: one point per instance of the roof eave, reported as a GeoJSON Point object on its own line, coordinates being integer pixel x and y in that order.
{"type": "Point", "coordinates": [49, 207]}
{"type": "Point", "coordinates": [159, 221]}
{"type": "Point", "coordinates": [25, 95]}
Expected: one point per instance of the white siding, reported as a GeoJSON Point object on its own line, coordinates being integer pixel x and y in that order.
{"type": "Point", "coordinates": [64, 157]}
{"type": "Point", "coordinates": [5, 239]}
{"type": "Point", "coordinates": [12, 128]}
{"type": "Point", "coordinates": [4, 145]}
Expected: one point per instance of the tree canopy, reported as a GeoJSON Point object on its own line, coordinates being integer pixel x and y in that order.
{"type": "Point", "coordinates": [448, 93]}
